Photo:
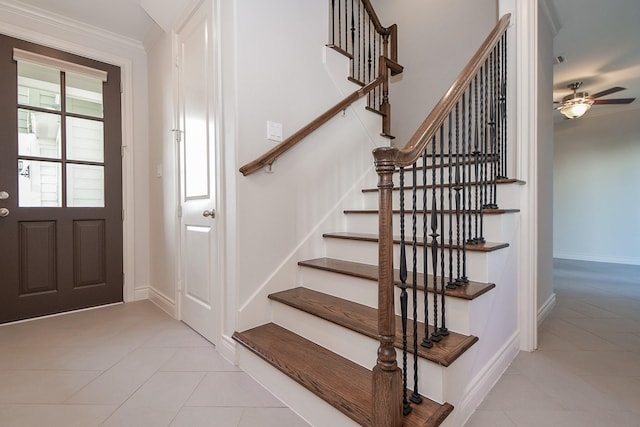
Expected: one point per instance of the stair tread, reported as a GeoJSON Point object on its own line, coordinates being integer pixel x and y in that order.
{"type": "Point", "coordinates": [364, 320]}
{"type": "Point", "coordinates": [470, 291]}
{"type": "Point", "coordinates": [487, 211]}
{"type": "Point", "coordinates": [341, 383]}
{"type": "Point", "coordinates": [410, 188]}
{"type": "Point", "coordinates": [369, 237]}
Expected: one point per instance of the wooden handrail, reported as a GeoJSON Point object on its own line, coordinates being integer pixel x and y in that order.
{"type": "Point", "coordinates": [272, 155]}
{"type": "Point", "coordinates": [374, 18]}
{"type": "Point", "coordinates": [413, 149]}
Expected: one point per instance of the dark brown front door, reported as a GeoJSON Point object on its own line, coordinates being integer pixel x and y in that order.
{"type": "Point", "coordinates": [60, 182]}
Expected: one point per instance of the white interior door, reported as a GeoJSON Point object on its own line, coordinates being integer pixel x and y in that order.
{"type": "Point", "coordinates": [199, 235]}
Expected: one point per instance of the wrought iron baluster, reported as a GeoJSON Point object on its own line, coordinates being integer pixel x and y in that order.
{"type": "Point", "coordinates": [435, 335]}
{"type": "Point", "coordinates": [415, 396]}
{"type": "Point", "coordinates": [333, 22]}
{"type": "Point", "coordinates": [458, 186]}
{"type": "Point", "coordinates": [463, 278]}
{"type": "Point", "coordinates": [505, 92]}
{"type": "Point", "coordinates": [426, 342]}
{"type": "Point", "coordinates": [484, 94]}
{"type": "Point", "coordinates": [356, 54]}
{"type": "Point", "coordinates": [469, 206]}
{"type": "Point", "coordinates": [451, 283]}
{"type": "Point", "coordinates": [353, 36]}
{"type": "Point", "coordinates": [476, 163]}
{"type": "Point", "coordinates": [403, 297]}
{"type": "Point", "coordinates": [346, 26]}
{"type": "Point", "coordinates": [443, 328]}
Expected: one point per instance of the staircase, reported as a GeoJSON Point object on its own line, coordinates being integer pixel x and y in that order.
{"type": "Point", "coordinates": [323, 333]}
{"type": "Point", "coordinates": [349, 310]}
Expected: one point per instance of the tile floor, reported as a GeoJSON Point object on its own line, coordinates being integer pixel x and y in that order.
{"type": "Point", "coordinates": [132, 365]}
{"type": "Point", "coordinates": [586, 372]}
{"type": "Point", "coordinates": [125, 365]}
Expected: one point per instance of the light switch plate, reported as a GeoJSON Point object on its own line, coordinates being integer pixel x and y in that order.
{"type": "Point", "coordinates": [274, 131]}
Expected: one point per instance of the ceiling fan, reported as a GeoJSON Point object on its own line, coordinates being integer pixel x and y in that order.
{"type": "Point", "coordinates": [578, 103]}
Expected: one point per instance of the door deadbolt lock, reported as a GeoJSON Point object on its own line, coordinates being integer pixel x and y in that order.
{"type": "Point", "coordinates": [4, 195]}
{"type": "Point", "coordinates": [4, 212]}
{"type": "Point", "coordinates": [211, 213]}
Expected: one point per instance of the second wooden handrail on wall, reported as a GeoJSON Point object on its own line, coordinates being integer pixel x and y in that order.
{"type": "Point", "coordinates": [272, 155]}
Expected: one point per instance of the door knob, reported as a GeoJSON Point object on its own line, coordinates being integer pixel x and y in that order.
{"type": "Point", "coordinates": [4, 212]}
{"type": "Point", "coordinates": [4, 195]}
{"type": "Point", "coordinates": [211, 213]}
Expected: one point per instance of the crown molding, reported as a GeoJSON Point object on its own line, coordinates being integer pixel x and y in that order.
{"type": "Point", "coordinates": [73, 27]}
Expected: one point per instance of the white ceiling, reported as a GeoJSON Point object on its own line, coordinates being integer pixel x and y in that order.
{"type": "Point", "coordinates": [123, 17]}
{"type": "Point", "coordinates": [601, 42]}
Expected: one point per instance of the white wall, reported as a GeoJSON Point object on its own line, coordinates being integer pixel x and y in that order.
{"type": "Point", "coordinates": [436, 39]}
{"type": "Point", "coordinates": [280, 76]}
{"type": "Point", "coordinates": [544, 147]}
{"type": "Point", "coordinates": [70, 36]}
{"type": "Point", "coordinates": [596, 182]}
{"type": "Point", "coordinates": [163, 180]}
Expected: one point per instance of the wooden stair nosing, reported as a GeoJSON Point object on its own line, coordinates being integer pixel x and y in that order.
{"type": "Point", "coordinates": [364, 320]}
{"type": "Point", "coordinates": [340, 50]}
{"type": "Point", "coordinates": [470, 291]}
{"type": "Point", "coordinates": [341, 383]}
{"type": "Point", "coordinates": [368, 237]}
{"type": "Point", "coordinates": [428, 211]}
{"type": "Point", "coordinates": [430, 186]}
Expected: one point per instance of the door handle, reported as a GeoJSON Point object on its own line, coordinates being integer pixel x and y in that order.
{"type": "Point", "coordinates": [4, 212]}
{"type": "Point", "coordinates": [211, 213]}
{"type": "Point", "coordinates": [4, 195]}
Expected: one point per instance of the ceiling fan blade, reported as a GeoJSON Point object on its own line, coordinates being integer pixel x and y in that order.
{"type": "Point", "coordinates": [608, 92]}
{"type": "Point", "coordinates": [614, 101]}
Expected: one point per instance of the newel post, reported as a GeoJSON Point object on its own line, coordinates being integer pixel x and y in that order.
{"type": "Point", "coordinates": [387, 379]}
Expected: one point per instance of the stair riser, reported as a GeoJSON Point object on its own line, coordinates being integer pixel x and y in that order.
{"type": "Point", "coordinates": [354, 346]}
{"type": "Point", "coordinates": [368, 223]}
{"type": "Point", "coordinates": [367, 253]}
{"type": "Point", "coordinates": [303, 402]}
{"type": "Point", "coordinates": [365, 291]}
{"type": "Point", "coordinates": [508, 198]}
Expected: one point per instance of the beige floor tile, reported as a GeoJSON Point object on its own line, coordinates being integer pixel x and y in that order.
{"type": "Point", "coordinates": [54, 415]}
{"type": "Point", "coordinates": [625, 390]}
{"type": "Point", "coordinates": [118, 383]}
{"type": "Point", "coordinates": [231, 389]}
{"type": "Point", "coordinates": [158, 401]}
{"type": "Point", "coordinates": [517, 392]}
{"type": "Point", "coordinates": [202, 416]}
{"type": "Point", "coordinates": [555, 418]}
{"type": "Point", "coordinates": [179, 335]}
{"type": "Point", "coordinates": [198, 359]}
{"type": "Point", "coordinates": [45, 387]}
{"type": "Point", "coordinates": [270, 417]}
{"type": "Point", "coordinates": [489, 418]}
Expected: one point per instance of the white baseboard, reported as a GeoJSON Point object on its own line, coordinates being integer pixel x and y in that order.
{"type": "Point", "coordinates": [227, 349]}
{"type": "Point", "coordinates": [140, 294]}
{"type": "Point", "coordinates": [482, 384]}
{"type": "Point", "coordinates": [546, 308]}
{"type": "Point", "coordinates": [597, 258]}
{"type": "Point", "coordinates": [165, 303]}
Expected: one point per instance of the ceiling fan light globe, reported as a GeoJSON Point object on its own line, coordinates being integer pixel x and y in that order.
{"type": "Point", "coordinates": [575, 110]}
